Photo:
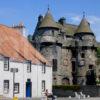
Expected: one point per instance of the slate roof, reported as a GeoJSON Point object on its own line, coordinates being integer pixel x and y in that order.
{"type": "Point", "coordinates": [84, 27]}
{"type": "Point", "coordinates": [15, 46]}
{"type": "Point", "coordinates": [48, 21]}
{"type": "Point", "coordinates": [69, 29]}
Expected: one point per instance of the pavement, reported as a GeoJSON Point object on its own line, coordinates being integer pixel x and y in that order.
{"type": "Point", "coordinates": [97, 98]}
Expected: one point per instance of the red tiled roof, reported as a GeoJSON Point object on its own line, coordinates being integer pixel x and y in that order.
{"type": "Point", "coordinates": [14, 45]}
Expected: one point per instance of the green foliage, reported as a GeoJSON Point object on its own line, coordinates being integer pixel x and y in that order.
{"type": "Point", "coordinates": [98, 56]}
{"type": "Point", "coordinates": [29, 37]}
{"type": "Point", "coordinates": [67, 87]}
{"type": "Point", "coordinates": [98, 82]}
{"type": "Point", "coordinates": [98, 52]}
{"type": "Point", "coordinates": [98, 61]}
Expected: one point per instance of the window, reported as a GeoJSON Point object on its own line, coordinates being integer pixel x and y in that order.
{"type": "Point", "coordinates": [82, 55]}
{"type": "Point", "coordinates": [43, 68]}
{"type": "Point", "coordinates": [53, 32]}
{"type": "Point", "coordinates": [29, 66]}
{"type": "Point", "coordinates": [16, 88]}
{"type": "Point", "coordinates": [54, 61]}
{"type": "Point", "coordinates": [6, 64]}
{"type": "Point", "coordinates": [90, 66]}
{"type": "Point", "coordinates": [54, 81]}
{"type": "Point", "coordinates": [73, 53]}
{"type": "Point", "coordinates": [43, 85]}
{"type": "Point", "coordinates": [73, 66]}
{"type": "Point", "coordinates": [6, 86]}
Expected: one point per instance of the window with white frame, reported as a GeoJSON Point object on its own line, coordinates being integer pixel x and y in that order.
{"type": "Point", "coordinates": [16, 88]}
{"type": "Point", "coordinates": [43, 85]}
{"type": "Point", "coordinates": [6, 64]}
{"type": "Point", "coordinates": [43, 68]}
{"type": "Point", "coordinates": [6, 86]}
{"type": "Point", "coordinates": [28, 66]}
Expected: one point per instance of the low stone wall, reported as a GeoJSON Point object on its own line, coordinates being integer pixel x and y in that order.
{"type": "Point", "coordinates": [93, 91]}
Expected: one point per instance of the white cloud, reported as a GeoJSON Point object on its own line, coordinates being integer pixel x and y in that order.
{"type": "Point", "coordinates": [75, 19]}
{"type": "Point", "coordinates": [95, 25]}
{"type": "Point", "coordinates": [94, 19]}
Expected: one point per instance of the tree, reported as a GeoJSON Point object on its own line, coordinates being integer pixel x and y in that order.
{"type": "Point", "coordinates": [29, 37]}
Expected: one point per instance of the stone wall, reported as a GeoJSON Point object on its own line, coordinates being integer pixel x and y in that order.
{"type": "Point", "coordinates": [93, 91]}
{"type": "Point", "coordinates": [59, 46]}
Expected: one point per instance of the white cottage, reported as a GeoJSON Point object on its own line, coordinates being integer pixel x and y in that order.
{"type": "Point", "coordinates": [24, 72]}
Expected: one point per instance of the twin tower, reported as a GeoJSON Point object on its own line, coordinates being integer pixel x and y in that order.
{"type": "Point", "coordinates": [70, 49]}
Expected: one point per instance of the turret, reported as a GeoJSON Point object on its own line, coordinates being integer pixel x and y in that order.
{"type": "Point", "coordinates": [85, 34]}
{"type": "Point", "coordinates": [85, 50]}
{"type": "Point", "coordinates": [48, 37]}
{"type": "Point", "coordinates": [48, 21]}
{"type": "Point", "coordinates": [48, 29]}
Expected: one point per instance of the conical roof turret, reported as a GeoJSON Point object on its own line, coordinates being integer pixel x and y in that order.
{"type": "Point", "coordinates": [48, 21]}
{"type": "Point", "coordinates": [84, 26]}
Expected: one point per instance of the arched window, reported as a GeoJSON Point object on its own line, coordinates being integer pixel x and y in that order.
{"type": "Point", "coordinates": [65, 81]}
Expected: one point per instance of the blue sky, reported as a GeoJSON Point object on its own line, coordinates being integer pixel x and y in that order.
{"type": "Point", "coordinates": [27, 11]}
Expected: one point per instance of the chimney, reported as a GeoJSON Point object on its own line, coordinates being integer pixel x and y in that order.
{"type": "Point", "coordinates": [62, 20]}
{"type": "Point", "coordinates": [20, 27]}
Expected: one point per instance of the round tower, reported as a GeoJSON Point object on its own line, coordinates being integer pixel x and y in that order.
{"type": "Point", "coordinates": [85, 46]}
{"type": "Point", "coordinates": [49, 38]}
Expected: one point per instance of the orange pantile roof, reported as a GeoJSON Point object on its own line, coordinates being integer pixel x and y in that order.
{"type": "Point", "coordinates": [14, 45]}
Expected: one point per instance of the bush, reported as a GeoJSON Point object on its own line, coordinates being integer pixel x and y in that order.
{"type": "Point", "coordinates": [98, 82]}
{"type": "Point", "coordinates": [98, 52]}
{"type": "Point", "coordinates": [67, 87]}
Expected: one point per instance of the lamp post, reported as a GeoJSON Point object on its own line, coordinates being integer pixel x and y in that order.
{"type": "Point", "coordinates": [14, 70]}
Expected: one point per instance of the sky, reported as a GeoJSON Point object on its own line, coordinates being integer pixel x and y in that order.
{"type": "Point", "coordinates": [27, 11]}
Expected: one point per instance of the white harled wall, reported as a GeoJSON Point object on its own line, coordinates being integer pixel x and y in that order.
{"type": "Point", "coordinates": [21, 77]}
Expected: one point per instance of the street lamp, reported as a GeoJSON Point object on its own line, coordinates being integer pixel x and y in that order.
{"type": "Point", "coordinates": [14, 70]}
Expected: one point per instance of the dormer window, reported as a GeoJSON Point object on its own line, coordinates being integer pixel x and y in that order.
{"type": "Point", "coordinates": [6, 64]}
{"type": "Point", "coordinates": [28, 66]}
